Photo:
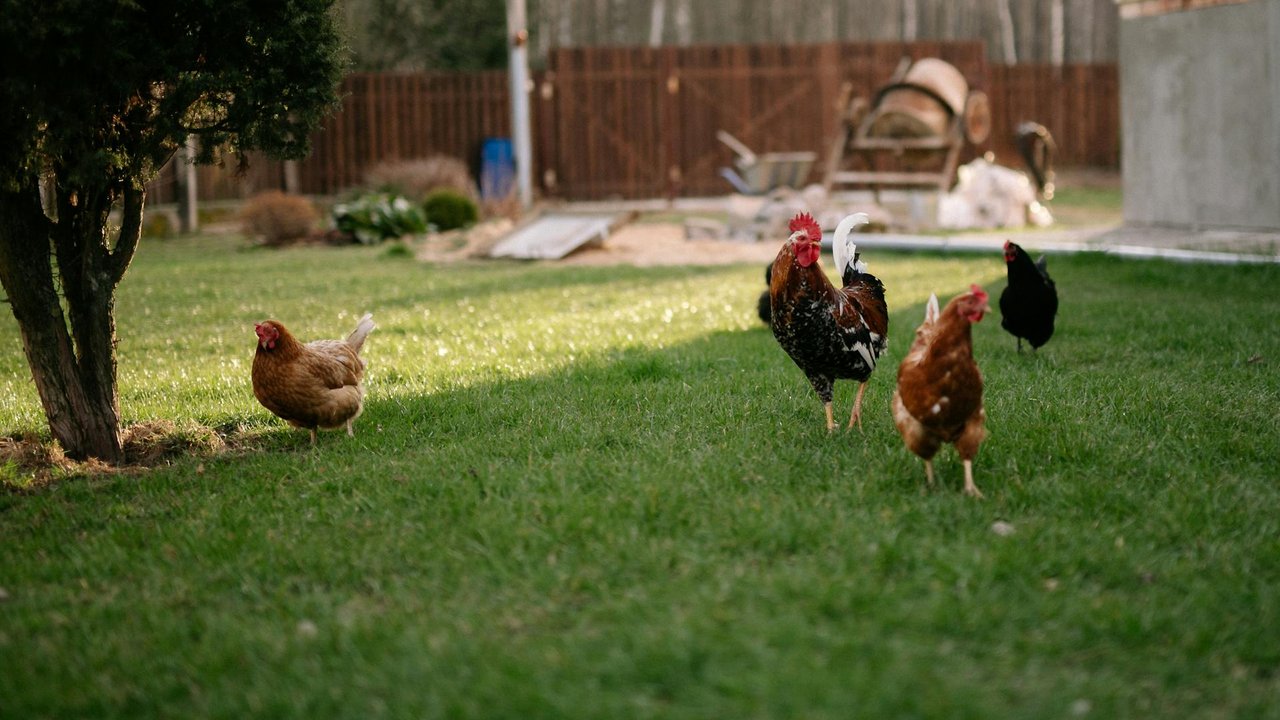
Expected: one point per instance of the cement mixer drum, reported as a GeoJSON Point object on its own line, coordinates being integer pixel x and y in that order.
{"type": "Point", "coordinates": [925, 100]}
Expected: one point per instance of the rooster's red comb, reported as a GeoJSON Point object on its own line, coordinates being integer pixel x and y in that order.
{"type": "Point", "coordinates": [978, 293]}
{"type": "Point", "coordinates": [805, 221]}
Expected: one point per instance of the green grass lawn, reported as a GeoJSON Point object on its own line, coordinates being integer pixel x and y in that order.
{"type": "Point", "coordinates": [606, 493]}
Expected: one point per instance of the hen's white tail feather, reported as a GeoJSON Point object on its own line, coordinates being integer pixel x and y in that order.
{"type": "Point", "coordinates": [931, 311]}
{"type": "Point", "coordinates": [363, 328]}
{"type": "Point", "coordinates": [842, 245]}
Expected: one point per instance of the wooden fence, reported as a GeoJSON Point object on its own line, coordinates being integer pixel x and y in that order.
{"type": "Point", "coordinates": [1079, 104]}
{"type": "Point", "coordinates": [641, 122]}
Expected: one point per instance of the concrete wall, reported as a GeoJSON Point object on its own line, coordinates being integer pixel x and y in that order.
{"type": "Point", "coordinates": [1200, 117]}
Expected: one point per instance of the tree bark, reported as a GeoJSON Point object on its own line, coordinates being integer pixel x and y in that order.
{"type": "Point", "coordinates": [1057, 33]}
{"type": "Point", "coordinates": [1007, 32]}
{"type": "Point", "coordinates": [71, 354]}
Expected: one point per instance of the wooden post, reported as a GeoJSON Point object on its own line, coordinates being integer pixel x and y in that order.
{"type": "Point", "coordinates": [185, 171]}
{"type": "Point", "coordinates": [291, 181]}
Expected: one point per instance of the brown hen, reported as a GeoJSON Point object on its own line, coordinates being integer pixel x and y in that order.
{"type": "Point", "coordinates": [939, 394]}
{"type": "Point", "coordinates": [316, 385]}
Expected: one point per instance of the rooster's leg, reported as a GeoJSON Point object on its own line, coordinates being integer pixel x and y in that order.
{"type": "Point", "coordinates": [969, 487]}
{"type": "Point", "coordinates": [823, 386]}
{"type": "Point", "coordinates": [856, 416]}
{"type": "Point", "coordinates": [1019, 345]}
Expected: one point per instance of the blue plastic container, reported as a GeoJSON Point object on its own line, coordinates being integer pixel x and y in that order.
{"type": "Point", "coordinates": [497, 169]}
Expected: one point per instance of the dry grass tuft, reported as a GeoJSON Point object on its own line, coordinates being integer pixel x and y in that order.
{"type": "Point", "coordinates": [279, 218]}
{"type": "Point", "coordinates": [29, 462]}
{"type": "Point", "coordinates": [156, 442]}
{"type": "Point", "coordinates": [415, 179]}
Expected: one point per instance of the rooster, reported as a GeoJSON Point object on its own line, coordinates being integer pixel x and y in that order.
{"type": "Point", "coordinates": [1029, 302]}
{"type": "Point", "coordinates": [939, 393]}
{"type": "Point", "coordinates": [830, 333]}
{"type": "Point", "coordinates": [316, 385]}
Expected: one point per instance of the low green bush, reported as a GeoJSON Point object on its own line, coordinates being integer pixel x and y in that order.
{"type": "Point", "coordinates": [448, 210]}
{"type": "Point", "coordinates": [379, 216]}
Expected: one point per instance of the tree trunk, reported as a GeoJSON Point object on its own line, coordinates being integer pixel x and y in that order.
{"type": "Point", "coordinates": [657, 22]}
{"type": "Point", "coordinates": [1057, 34]}
{"type": "Point", "coordinates": [74, 370]}
{"type": "Point", "coordinates": [1007, 33]}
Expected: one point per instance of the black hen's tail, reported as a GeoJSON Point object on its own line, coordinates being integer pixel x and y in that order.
{"type": "Point", "coordinates": [763, 308]}
{"type": "Point", "coordinates": [1037, 148]}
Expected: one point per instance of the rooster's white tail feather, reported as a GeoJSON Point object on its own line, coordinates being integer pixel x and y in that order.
{"type": "Point", "coordinates": [842, 245]}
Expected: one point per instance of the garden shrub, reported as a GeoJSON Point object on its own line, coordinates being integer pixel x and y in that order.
{"type": "Point", "coordinates": [375, 217]}
{"type": "Point", "coordinates": [449, 210]}
{"type": "Point", "coordinates": [158, 225]}
{"type": "Point", "coordinates": [278, 217]}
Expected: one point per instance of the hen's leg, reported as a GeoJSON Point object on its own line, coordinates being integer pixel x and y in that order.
{"type": "Point", "coordinates": [928, 472]}
{"type": "Point", "coordinates": [969, 488]}
{"type": "Point", "coordinates": [313, 435]}
{"type": "Point", "coordinates": [350, 431]}
{"type": "Point", "coordinates": [831, 423]}
{"type": "Point", "coordinates": [967, 448]}
{"type": "Point", "coordinates": [856, 416]}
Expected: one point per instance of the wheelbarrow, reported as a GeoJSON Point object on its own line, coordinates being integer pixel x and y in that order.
{"type": "Point", "coordinates": [754, 174]}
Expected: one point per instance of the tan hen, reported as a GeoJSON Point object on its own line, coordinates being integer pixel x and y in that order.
{"type": "Point", "coordinates": [316, 385]}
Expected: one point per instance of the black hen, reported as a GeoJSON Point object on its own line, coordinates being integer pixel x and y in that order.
{"type": "Point", "coordinates": [762, 305]}
{"type": "Point", "coordinates": [1029, 302]}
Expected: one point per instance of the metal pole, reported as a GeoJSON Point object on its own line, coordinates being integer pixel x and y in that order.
{"type": "Point", "coordinates": [521, 140]}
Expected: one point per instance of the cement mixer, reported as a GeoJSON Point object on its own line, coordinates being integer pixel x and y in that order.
{"type": "Point", "coordinates": [911, 133]}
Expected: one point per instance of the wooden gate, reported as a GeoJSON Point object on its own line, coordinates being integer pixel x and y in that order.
{"type": "Point", "coordinates": [771, 98]}
{"type": "Point", "coordinates": [603, 122]}
{"type": "Point", "coordinates": [642, 122]}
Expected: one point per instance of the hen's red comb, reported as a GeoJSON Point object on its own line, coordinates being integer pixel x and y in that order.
{"type": "Point", "coordinates": [805, 221]}
{"type": "Point", "coordinates": [978, 293]}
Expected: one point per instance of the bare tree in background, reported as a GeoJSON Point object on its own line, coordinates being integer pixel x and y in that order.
{"type": "Point", "coordinates": [684, 23]}
{"type": "Point", "coordinates": [407, 34]}
{"type": "Point", "coordinates": [1007, 34]}
{"type": "Point", "coordinates": [1057, 33]}
{"type": "Point", "coordinates": [657, 19]}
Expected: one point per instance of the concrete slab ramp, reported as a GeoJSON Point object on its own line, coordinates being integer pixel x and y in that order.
{"type": "Point", "coordinates": [555, 235]}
